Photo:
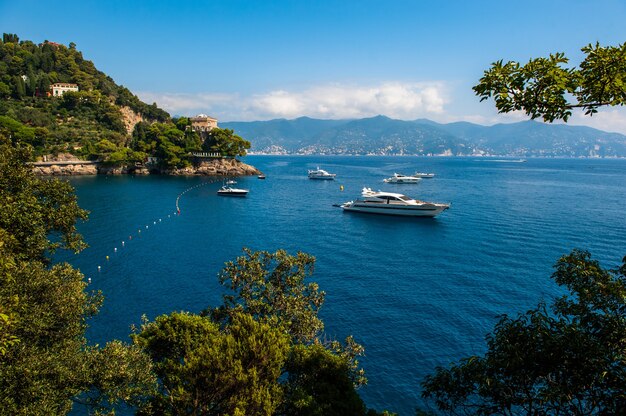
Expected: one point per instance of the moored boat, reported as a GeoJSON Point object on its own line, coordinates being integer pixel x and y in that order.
{"type": "Point", "coordinates": [424, 175]}
{"type": "Point", "coordinates": [390, 203]}
{"type": "Point", "coordinates": [399, 178]}
{"type": "Point", "coordinates": [230, 191]}
{"type": "Point", "coordinates": [321, 174]}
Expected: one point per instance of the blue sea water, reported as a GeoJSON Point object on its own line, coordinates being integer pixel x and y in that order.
{"type": "Point", "coordinates": [417, 293]}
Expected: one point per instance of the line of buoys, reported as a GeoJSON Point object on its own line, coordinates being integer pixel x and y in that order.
{"type": "Point", "coordinates": [154, 222]}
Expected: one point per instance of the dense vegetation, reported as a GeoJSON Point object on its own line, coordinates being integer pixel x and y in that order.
{"type": "Point", "coordinates": [46, 363]}
{"type": "Point", "coordinates": [90, 123]}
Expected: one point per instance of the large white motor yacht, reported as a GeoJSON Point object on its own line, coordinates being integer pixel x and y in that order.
{"type": "Point", "coordinates": [390, 203]}
{"type": "Point", "coordinates": [321, 174]}
{"type": "Point", "coordinates": [399, 178]}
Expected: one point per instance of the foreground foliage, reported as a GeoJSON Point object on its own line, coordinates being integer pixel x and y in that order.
{"type": "Point", "coordinates": [545, 88]}
{"type": "Point", "coordinates": [567, 359]}
{"type": "Point", "coordinates": [259, 353]}
{"type": "Point", "coordinates": [206, 370]}
{"type": "Point", "coordinates": [45, 362]}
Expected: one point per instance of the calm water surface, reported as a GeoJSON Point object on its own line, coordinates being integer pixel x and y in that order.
{"type": "Point", "coordinates": [416, 293]}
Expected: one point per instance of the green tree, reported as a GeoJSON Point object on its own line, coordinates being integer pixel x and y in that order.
{"type": "Point", "coordinates": [568, 359]}
{"type": "Point", "coordinates": [10, 37]}
{"type": "Point", "coordinates": [272, 287]}
{"type": "Point", "coordinates": [19, 87]}
{"type": "Point", "coordinates": [545, 88]}
{"type": "Point", "coordinates": [255, 354]}
{"type": "Point", "coordinates": [207, 370]}
{"type": "Point", "coordinates": [46, 363]}
{"type": "Point", "coordinates": [319, 383]}
{"type": "Point", "coordinates": [5, 91]}
{"type": "Point", "coordinates": [226, 142]}
{"type": "Point", "coordinates": [265, 285]}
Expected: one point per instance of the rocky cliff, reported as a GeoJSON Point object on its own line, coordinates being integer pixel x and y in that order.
{"type": "Point", "coordinates": [215, 167]}
{"type": "Point", "coordinates": [218, 167]}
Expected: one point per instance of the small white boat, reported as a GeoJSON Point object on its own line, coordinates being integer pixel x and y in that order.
{"type": "Point", "coordinates": [231, 182]}
{"type": "Point", "coordinates": [424, 175]}
{"type": "Point", "coordinates": [399, 178]}
{"type": "Point", "coordinates": [261, 176]}
{"type": "Point", "coordinates": [229, 191]}
{"type": "Point", "coordinates": [389, 203]}
{"type": "Point", "coordinates": [321, 174]}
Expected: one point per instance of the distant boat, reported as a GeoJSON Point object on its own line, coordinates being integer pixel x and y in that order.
{"type": "Point", "coordinates": [389, 203]}
{"type": "Point", "coordinates": [399, 178]}
{"type": "Point", "coordinates": [321, 174]}
{"type": "Point", "coordinates": [261, 176]}
{"type": "Point", "coordinates": [424, 175]}
{"type": "Point", "coordinates": [231, 182]}
{"type": "Point", "coordinates": [229, 191]}
{"type": "Point", "coordinates": [506, 160]}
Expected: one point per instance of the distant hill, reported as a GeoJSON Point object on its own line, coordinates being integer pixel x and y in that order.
{"type": "Point", "coordinates": [381, 135]}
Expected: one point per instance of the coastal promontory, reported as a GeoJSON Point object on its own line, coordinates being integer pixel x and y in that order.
{"type": "Point", "coordinates": [77, 121]}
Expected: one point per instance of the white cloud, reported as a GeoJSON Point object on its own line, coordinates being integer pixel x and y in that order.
{"type": "Point", "coordinates": [393, 99]}
{"type": "Point", "coordinates": [401, 100]}
{"type": "Point", "coordinates": [607, 119]}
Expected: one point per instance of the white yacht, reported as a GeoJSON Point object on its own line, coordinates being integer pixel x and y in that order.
{"type": "Point", "coordinates": [230, 191]}
{"type": "Point", "coordinates": [399, 178]}
{"type": "Point", "coordinates": [424, 175]}
{"type": "Point", "coordinates": [390, 203]}
{"type": "Point", "coordinates": [321, 174]}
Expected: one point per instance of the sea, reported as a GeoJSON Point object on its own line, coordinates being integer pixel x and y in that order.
{"type": "Point", "coordinates": [417, 293]}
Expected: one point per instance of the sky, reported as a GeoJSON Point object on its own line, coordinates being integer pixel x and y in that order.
{"type": "Point", "coordinates": [242, 60]}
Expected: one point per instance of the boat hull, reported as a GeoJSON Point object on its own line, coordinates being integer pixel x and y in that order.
{"type": "Point", "coordinates": [414, 180]}
{"type": "Point", "coordinates": [323, 178]}
{"type": "Point", "coordinates": [398, 210]}
{"type": "Point", "coordinates": [228, 191]}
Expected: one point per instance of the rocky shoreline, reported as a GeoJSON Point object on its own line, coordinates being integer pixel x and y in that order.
{"type": "Point", "coordinates": [75, 167]}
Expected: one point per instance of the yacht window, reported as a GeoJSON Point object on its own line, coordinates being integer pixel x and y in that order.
{"type": "Point", "coordinates": [405, 198]}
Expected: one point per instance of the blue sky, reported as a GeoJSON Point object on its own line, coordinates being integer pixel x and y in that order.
{"type": "Point", "coordinates": [258, 60]}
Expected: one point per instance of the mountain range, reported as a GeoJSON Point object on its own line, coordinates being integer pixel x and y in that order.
{"type": "Point", "coordinates": [382, 135]}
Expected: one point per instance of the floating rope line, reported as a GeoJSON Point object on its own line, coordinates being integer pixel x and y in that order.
{"type": "Point", "coordinates": [155, 222]}
{"type": "Point", "coordinates": [190, 189]}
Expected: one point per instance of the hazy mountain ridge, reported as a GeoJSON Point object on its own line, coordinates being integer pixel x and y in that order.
{"type": "Point", "coordinates": [381, 135]}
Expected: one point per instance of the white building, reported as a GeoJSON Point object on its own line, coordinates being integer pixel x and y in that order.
{"type": "Point", "coordinates": [202, 122]}
{"type": "Point", "coordinates": [61, 88]}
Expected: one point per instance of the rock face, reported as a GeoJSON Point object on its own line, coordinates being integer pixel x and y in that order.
{"type": "Point", "coordinates": [130, 118]}
{"type": "Point", "coordinates": [66, 170]}
{"type": "Point", "coordinates": [218, 167]}
{"type": "Point", "coordinates": [213, 167]}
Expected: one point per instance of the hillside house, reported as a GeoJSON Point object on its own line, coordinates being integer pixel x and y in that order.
{"type": "Point", "coordinates": [60, 88]}
{"type": "Point", "coordinates": [203, 123]}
